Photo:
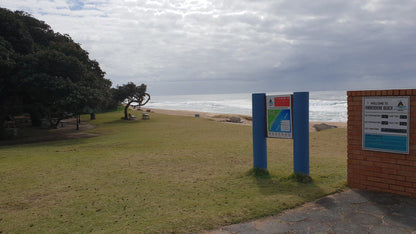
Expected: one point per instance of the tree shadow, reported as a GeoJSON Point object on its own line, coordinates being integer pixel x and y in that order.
{"type": "Point", "coordinates": [38, 135]}
{"type": "Point", "coordinates": [123, 121]}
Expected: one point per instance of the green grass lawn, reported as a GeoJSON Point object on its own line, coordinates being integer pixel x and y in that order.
{"type": "Point", "coordinates": [166, 174]}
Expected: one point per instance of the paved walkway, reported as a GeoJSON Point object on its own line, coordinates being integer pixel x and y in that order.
{"type": "Point", "coordinates": [353, 211]}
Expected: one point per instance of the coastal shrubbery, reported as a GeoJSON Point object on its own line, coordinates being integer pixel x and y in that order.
{"type": "Point", "coordinates": [50, 77]}
{"type": "Point", "coordinates": [46, 74]}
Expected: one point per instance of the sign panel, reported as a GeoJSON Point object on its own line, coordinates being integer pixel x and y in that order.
{"type": "Point", "coordinates": [279, 116]}
{"type": "Point", "coordinates": [386, 124]}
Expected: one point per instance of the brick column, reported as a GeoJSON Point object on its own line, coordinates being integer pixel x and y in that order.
{"type": "Point", "coordinates": [380, 171]}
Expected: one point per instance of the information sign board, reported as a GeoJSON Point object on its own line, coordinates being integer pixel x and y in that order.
{"type": "Point", "coordinates": [386, 124]}
{"type": "Point", "coordinates": [279, 116]}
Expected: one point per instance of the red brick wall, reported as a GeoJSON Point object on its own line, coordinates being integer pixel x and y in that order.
{"type": "Point", "coordinates": [380, 171]}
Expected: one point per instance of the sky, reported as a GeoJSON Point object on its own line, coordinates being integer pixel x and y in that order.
{"type": "Point", "coordinates": [239, 46]}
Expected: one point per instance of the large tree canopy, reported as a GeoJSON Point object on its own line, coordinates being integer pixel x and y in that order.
{"type": "Point", "coordinates": [45, 73]}
{"type": "Point", "coordinates": [129, 93]}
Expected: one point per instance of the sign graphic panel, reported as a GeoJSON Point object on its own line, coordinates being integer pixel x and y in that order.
{"type": "Point", "coordinates": [279, 116]}
{"type": "Point", "coordinates": [386, 124]}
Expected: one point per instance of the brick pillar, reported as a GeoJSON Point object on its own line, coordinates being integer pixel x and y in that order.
{"type": "Point", "coordinates": [374, 170]}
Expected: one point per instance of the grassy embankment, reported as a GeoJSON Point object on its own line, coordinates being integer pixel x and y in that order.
{"type": "Point", "coordinates": [166, 174]}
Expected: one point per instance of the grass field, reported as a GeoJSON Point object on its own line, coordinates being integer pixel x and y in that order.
{"type": "Point", "coordinates": [166, 174]}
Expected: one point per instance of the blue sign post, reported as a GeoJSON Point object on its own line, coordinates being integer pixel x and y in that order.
{"type": "Point", "coordinates": [301, 132]}
{"type": "Point", "coordinates": [259, 130]}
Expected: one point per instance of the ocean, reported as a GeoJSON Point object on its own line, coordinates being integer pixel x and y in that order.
{"type": "Point", "coordinates": [328, 106]}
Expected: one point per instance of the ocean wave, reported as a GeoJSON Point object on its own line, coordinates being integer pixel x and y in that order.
{"type": "Point", "coordinates": [328, 106]}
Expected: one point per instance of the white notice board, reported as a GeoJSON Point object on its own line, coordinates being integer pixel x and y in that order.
{"type": "Point", "coordinates": [386, 124]}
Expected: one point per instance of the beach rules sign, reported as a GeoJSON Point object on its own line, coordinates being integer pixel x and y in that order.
{"type": "Point", "coordinates": [386, 124]}
{"type": "Point", "coordinates": [279, 116]}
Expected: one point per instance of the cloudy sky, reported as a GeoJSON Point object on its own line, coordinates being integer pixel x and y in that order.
{"type": "Point", "coordinates": [229, 46]}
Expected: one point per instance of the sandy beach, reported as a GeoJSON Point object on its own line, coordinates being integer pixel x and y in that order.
{"type": "Point", "coordinates": [245, 120]}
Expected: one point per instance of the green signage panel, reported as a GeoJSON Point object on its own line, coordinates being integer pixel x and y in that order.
{"type": "Point", "coordinates": [279, 116]}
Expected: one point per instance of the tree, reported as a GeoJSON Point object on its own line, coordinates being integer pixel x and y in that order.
{"type": "Point", "coordinates": [129, 93]}
{"type": "Point", "coordinates": [45, 73]}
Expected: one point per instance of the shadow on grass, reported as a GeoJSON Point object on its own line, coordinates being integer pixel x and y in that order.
{"type": "Point", "coordinates": [123, 121]}
{"type": "Point", "coordinates": [259, 173]}
{"type": "Point", "coordinates": [48, 136]}
{"type": "Point", "coordinates": [294, 184]}
{"type": "Point", "coordinates": [46, 142]}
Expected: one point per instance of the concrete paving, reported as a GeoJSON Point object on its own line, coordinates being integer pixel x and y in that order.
{"type": "Point", "coordinates": [352, 211]}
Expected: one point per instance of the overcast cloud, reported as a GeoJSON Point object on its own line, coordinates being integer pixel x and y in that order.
{"type": "Point", "coordinates": [184, 47]}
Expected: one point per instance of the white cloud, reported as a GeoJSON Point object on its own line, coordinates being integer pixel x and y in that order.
{"type": "Point", "coordinates": [236, 45]}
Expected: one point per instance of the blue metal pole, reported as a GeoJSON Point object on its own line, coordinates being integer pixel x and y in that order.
{"type": "Point", "coordinates": [259, 130]}
{"type": "Point", "coordinates": [301, 132]}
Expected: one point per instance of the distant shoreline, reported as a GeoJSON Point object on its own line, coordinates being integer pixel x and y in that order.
{"type": "Point", "coordinates": [222, 117]}
{"type": "Point", "coordinates": [329, 106]}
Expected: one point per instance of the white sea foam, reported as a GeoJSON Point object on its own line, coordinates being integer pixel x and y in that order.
{"type": "Point", "coordinates": [323, 106]}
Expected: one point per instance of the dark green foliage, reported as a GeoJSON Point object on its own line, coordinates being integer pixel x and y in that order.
{"type": "Point", "coordinates": [13, 30]}
{"type": "Point", "coordinates": [130, 93]}
{"type": "Point", "coordinates": [45, 73]}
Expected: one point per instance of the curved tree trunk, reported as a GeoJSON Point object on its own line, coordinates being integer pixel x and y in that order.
{"type": "Point", "coordinates": [141, 100]}
{"type": "Point", "coordinates": [126, 108]}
